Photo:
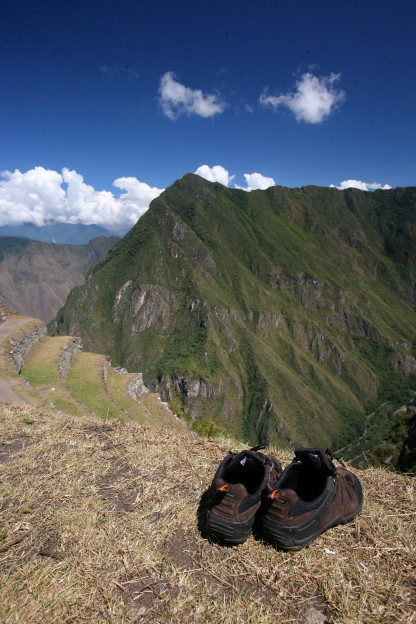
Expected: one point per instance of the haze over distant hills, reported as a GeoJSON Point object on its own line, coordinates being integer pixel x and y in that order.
{"type": "Point", "coordinates": [36, 277]}
{"type": "Point", "coordinates": [284, 314]}
{"type": "Point", "coordinates": [56, 232]}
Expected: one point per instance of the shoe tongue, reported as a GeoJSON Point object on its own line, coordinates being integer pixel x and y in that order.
{"type": "Point", "coordinates": [315, 458]}
{"type": "Point", "coordinates": [244, 461]}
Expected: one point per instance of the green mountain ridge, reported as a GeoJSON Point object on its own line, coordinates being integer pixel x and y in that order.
{"type": "Point", "coordinates": [285, 314]}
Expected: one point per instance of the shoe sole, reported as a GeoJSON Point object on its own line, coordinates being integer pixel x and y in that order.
{"type": "Point", "coordinates": [297, 537]}
{"type": "Point", "coordinates": [229, 532]}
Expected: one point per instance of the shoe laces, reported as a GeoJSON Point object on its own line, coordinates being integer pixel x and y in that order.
{"type": "Point", "coordinates": [333, 457]}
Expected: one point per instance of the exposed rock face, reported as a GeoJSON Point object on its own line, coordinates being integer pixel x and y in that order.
{"type": "Point", "coordinates": [146, 304]}
{"type": "Point", "coordinates": [280, 314]}
{"type": "Point", "coordinates": [68, 352]}
{"type": "Point", "coordinates": [118, 299]}
{"type": "Point", "coordinates": [22, 349]}
{"type": "Point", "coordinates": [149, 303]}
{"type": "Point", "coordinates": [136, 387]}
{"type": "Point", "coordinates": [192, 388]}
{"type": "Point", "coordinates": [404, 364]}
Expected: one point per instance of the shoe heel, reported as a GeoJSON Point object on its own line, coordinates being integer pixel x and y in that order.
{"type": "Point", "coordinates": [227, 531]}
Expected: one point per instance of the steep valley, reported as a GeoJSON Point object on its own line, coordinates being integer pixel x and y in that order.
{"type": "Point", "coordinates": [36, 277]}
{"type": "Point", "coordinates": [285, 315]}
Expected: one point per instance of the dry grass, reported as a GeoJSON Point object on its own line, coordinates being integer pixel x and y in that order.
{"type": "Point", "coordinates": [99, 523]}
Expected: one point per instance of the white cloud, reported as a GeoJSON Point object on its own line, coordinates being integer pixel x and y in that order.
{"type": "Point", "coordinates": [256, 181]}
{"type": "Point", "coordinates": [38, 196]}
{"type": "Point", "coordinates": [215, 174]}
{"type": "Point", "coordinates": [176, 99]}
{"type": "Point", "coordinates": [313, 101]}
{"type": "Point", "coordinates": [138, 195]}
{"type": "Point", "coordinates": [219, 174]}
{"type": "Point", "coordinates": [30, 197]}
{"type": "Point", "coordinates": [363, 186]}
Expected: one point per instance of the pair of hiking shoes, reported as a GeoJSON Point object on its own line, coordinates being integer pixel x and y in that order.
{"type": "Point", "coordinates": [291, 507]}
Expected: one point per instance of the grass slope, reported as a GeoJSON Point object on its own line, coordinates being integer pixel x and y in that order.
{"type": "Point", "coordinates": [41, 371]}
{"type": "Point", "coordinates": [149, 410]}
{"type": "Point", "coordinates": [92, 386]}
{"type": "Point", "coordinates": [86, 381]}
{"type": "Point", "coordinates": [23, 325]}
{"type": "Point", "coordinates": [101, 522]}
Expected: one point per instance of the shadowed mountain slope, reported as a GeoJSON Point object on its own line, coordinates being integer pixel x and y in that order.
{"type": "Point", "coordinates": [286, 314]}
{"type": "Point", "coordinates": [36, 277]}
{"type": "Point", "coordinates": [63, 233]}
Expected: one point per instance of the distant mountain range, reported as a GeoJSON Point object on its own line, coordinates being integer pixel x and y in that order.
{"type": "Point", "coordinates": [36, 277]}
{"type": "Point", "coordinates": [286, 314]}
{"type": "Point", "coordinates": [63, 233]}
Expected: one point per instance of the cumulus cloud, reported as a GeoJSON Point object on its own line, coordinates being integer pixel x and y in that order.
{"type": "Point", "coordinates": [176, 99]}
{"type": "Point", "coordinates": [41, 195]}
{"type": "Point", "coordinates": [314, 99]}
{"type": "Point", "coordinates": [256, 181]}
{"type": "Point", "coordinates": [219, 174]}
{"type": "Point", "coordinates": [215, 174]}
{"type": "Point", "coordinates": [363, 186]}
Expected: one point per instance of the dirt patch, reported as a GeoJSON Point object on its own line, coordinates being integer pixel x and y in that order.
{"type": "Point", "coordinates": [181, 549]}
{"type": "Point", "coordinates": [94, 429]}
{"type": "Point", "coordinates": [7, 394]}
{"type": "Point", "coordinates": [101, 433]}
{"type": "Point", "coordinates": [115, 473]}
{"type": "Point", "coordinates": [5, 503]}
{"type": "Point", "coordinates": [148, 593]}
{"type": "Point", "coordinates": [9, 449]}
{"type": "Point", "coordinates": [120, 498]}
{"type": "Point", "coordinates": [51, 547]}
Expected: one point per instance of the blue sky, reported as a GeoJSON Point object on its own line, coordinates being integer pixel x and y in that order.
{"type": "Point", "coordinates": [140, 92]}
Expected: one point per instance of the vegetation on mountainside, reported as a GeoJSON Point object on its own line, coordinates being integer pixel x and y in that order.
{"type": "Point", "coordinates": [397, 449]}
{"type": "Point", "coordinates": [281, 314]}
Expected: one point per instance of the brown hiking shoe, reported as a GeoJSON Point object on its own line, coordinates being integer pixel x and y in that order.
{"type": "Point", "coordinates": [236, 493]}
{"type": "Point", "coordinates": [310, 496]}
